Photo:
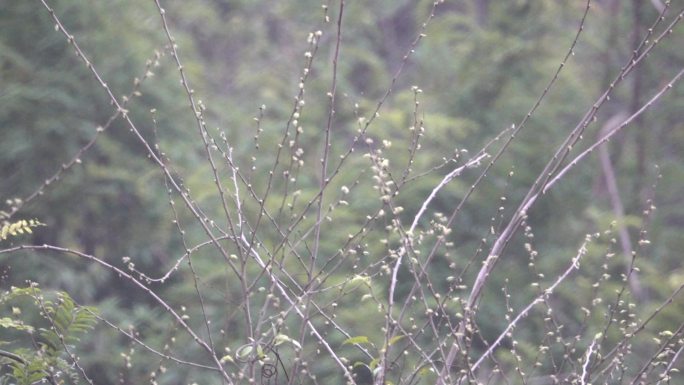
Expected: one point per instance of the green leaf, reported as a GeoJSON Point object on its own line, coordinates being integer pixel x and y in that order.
{"type": "Point", "coordinates": [425, 371]}
{"type": "Point", "coordinates": [244, 351]}
{"type": "Point", "coordinates": [68, 320]}
{"type": "Point", "coordinates": [374, 363]}
{"type": "Point", "coordinates": [9, 323]}
{"type": "Point", "coordinates": [282, 338]}
{"type": "Point", "coordinates": [228, 358]}
{"type": "Point", "coordinates": [357, 340]}
{"type": "Point", "coordinates": [394, 340]}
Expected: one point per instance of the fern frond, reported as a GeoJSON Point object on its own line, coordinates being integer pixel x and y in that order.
{"type": "Point", "coordinates": [68, 321]}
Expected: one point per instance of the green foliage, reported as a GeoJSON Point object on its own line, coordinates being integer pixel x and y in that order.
{"type": "Point", "coordinates": [14, 229]}
{"type": "Point", "coordinates": [67, 321]}
{"type": "Point", "coordinates": [47, 360]}
{"type": "Point", "coordinates": [28, 373]}
{"type": "Point", "coordinates": [357, 340]}
{"type": "Point", "coordinates": [473, 74]}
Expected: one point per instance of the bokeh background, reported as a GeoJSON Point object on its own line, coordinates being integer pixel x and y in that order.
{"type": "Point", "coordinates": [481, 66]}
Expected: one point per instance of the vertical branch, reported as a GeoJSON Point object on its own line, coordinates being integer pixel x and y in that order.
{"type": "Point", "coordinates": [326, 145]}
{"type": "Point", "coordinates": [323, 183]}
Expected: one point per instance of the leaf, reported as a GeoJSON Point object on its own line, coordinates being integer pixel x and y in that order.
{"type": "Point", "coordinates": [227, 358]}
{"type": "Point", "coordinates": [360, 279]}
{"type": "Point", "coordinates": [425, 371]}
{"type": "Point", "coordinates": [68, 321]}
{"type": "Point", "coordinates": [395, 339]}
{"type": "Point", "coordinates": [357, 340]}
{"type": "Point", "coordinates": [16, 228]}
{"type": "Point", "coordinates": [244, 351]}
{"type": "Point", "coordinates": [9, 323]}
{"type": "Point", "coordinates": [374, 364]}
{"type": "Point", "coordinates": [282, 338]}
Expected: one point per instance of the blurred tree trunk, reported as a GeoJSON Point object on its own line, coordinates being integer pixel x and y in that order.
{"type": "Point", "coordinates": [613, 6]}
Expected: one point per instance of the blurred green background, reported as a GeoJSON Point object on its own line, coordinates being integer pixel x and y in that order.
{"type": "Point", "coordinates": [481, 67]}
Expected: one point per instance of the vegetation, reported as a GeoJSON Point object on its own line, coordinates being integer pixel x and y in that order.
{"type": "Point", "coordinates": [299, 192]}
{"type": "Point", "coordinates": [45, 360]}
